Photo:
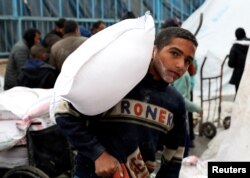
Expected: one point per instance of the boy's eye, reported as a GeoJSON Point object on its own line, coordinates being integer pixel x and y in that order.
{"type": "Point", "coordinates": [188, 61]}
{"type": "Point", "coordinates": [174, 53]}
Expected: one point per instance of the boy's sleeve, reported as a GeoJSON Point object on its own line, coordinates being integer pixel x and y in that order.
{"type": "Point", "coordinates": [75, 127]}
{"type": "Point", "coordinates": [191, 106]}
{"type": "Point", "coordinates": [174, 147]}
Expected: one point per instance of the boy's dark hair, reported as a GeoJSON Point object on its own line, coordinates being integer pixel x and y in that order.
{"type": "Point", "coordinates": [166, 35]}
{"type": "Point", "coordinates": [36, 50]}
{"type": "Point", "coordinates": [29, 36]}
{"type": "Point", "coordinates": [70, 26]}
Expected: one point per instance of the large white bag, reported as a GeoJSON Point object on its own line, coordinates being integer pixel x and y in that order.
{"type": "Point", "coordinates": [236, 144]}
{"type": "Point", "coordinates": [19, 107]}
{"type": "Point", "coordinates": [99, 73]}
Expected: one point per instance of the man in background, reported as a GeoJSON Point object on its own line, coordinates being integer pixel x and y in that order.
{"type": "Point", "coordinates": [19, 54]}
{"type": "Point", "coordinates": [63, 48]}
{"type": "Point", "coordinates": [54, 35]}
{"type": "Point", "coordinates": [237, 56]}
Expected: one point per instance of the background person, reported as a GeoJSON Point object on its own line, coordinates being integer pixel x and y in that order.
{"type": "Point", "coordinates": [171, 22]}
{"type": "Point", "coordinates": [36, 72]}
{"type": "Point", "coordinates": [19, 54]}
{"type": "Point", "coordinates": [63, 48]}
{"type": "Point", "coordinates": [55, 34]}
{"type": "Point", "coordinates": [237, 57]}
{"type": "Point", "coordinates": [128, 15]}
{"type": "Point", "coordinates": [184, 86]}
{"type": "Point", "coordinates": [97, 26]}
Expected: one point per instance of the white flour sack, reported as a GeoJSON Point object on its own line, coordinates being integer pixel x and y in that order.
{"type": "Point", "coordinates": [99, 73]}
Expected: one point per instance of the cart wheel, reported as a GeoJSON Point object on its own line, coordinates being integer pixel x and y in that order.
{"type": "Point", "coordinates": [227, 122]}
{"type": "Point", "coordinates": [25, 172]}
{"type": "Point", "coordinates": [208, 129]}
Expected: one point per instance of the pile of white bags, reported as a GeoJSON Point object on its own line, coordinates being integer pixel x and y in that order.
{"type": "Point", "coordinates": [19, 107]}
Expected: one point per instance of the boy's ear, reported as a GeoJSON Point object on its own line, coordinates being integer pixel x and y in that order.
{"type": "Point", "coordinates": [154, 52]}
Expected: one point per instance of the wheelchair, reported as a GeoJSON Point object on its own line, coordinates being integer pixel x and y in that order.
{"type": "Point", "coordinates": [49, 156]}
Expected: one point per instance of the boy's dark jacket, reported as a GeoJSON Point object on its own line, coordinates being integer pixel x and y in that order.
{"type": "Point", "coordinates": [37, 74]}
{"type": "Point", "coordinates": [150, 118]}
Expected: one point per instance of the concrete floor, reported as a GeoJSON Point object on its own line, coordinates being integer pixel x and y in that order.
{"type": "Point", "coordinates": [200, 144]}
{"type": "Point", "coordinates": [202, 141]}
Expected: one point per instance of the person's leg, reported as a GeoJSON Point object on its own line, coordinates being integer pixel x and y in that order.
{"type": "Point", "coordinates": [191, 124]}
{"type": "Point", "coordinates": [236, 90]}
{"type": "Point", "coordinates": [187, 142]}
{"type": "Point", "coordinates": [236, 87]}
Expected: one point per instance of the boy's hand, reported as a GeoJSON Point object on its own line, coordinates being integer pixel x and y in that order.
{"type": "Point", "coordinates": [106, 165]}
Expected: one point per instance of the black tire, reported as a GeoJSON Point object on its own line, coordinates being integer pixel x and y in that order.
{"type": "Point", "coordinates": [25, 172]}
{"type": "Point", "coordinates": [227, 122]}
{"type": "Point", "coordinates": [208, 129]}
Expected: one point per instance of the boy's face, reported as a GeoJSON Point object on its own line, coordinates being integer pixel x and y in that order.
{"type": "Point", "coordinates": [172, 61]}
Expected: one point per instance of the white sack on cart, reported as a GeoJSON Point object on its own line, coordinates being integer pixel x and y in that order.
{"type": "Point", "coordinates": [15, 102]}
{"type": "Point", "coordinates": [39, 112]}
{"type": "Point", "coordinates": [27, 105]}
{"type": "Point", "coordinates": [23, 102]}
{"type": "Point", "coordinates": [99, 73]}
{"type": "Point", "coordinates": [9, 134]}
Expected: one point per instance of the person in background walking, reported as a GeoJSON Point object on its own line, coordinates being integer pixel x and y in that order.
{"type": "Point", "coordinates": [237, 56]}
